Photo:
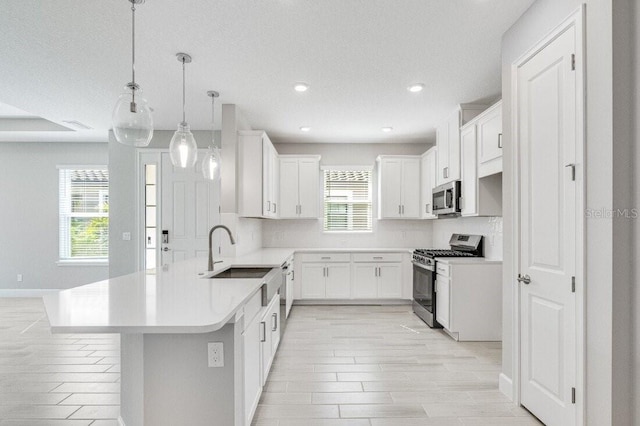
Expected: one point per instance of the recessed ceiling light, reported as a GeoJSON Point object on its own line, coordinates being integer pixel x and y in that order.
{"type": "Point", "coordinates": [387, 129]}
{"type": "Point", "coordinates": [305, 128]}
{"type": "Point", "coordinates": [415, 88]}
{"type": "Point", "coordinates": [301, 87]}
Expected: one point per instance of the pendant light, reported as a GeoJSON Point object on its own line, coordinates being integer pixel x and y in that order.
{"type": "Point", "coordinates": [212, 160]}
{"type": "Point", "coordinates": [131, 118]}
{"type": "Point", "coordinates": [183, 149]}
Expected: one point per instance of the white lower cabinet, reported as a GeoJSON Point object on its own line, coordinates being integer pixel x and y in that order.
{"type": "Point", "coordinates": [377, 281]}
{"type": "Point", "coordinates": [469, 299]}
{"type": "Point", "coordinates": [325, 281]}
{"type": "Point", "coordinates": [261, 337]}
{"type": "Point", "coordinates": [269, 336]}
{"type": "Point", "coordinates": [442, 300]}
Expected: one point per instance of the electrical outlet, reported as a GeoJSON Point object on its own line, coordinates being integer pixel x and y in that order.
{"type": "Point", "coordinates": [126, 236]}
{"type": "Point", "coordinates": [216, 354]}
{"type": "Point", "coordinates": [19, 278]}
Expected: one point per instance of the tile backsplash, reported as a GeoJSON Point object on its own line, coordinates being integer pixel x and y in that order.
{"type": "Point", "coordinates": [489, 227]}
{"type": "Point", "coordinates": [309, 233]}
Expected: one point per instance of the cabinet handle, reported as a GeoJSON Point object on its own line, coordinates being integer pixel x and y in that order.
{"type": "Point", "coordinates": [399, 209]}
{"type": "Point", "coordinates": [403, 209]}
{"type": "Point", "coordinates": [377, 257]}
{"type": "Point", "coordinates": [263, 338]}
{"type": "Point", "coordinates": [299, 208]}
{"type": "Point", "coordinates": [427, 208]}
{"type": "Point", "coordinates": [379, 271]}
{"type": "Point", "coordinates": [268, 206]}
{"type": "Point", "coordinates": [443, 174]}
{"type": "Point", "coordinates": [293, 275]}
{"type": "Point", "coordinates": [274, 319]}
{"type": "Point", "coordinates": [275, 209]}
{"type": "Point", "coordinates": [327, 272]}
{"type": "Point", "coordinates": [499, 140]}
{"type": "Point", "coordinates": [446, 172]}
{"type": "Point", "coordinates": [326, 258]}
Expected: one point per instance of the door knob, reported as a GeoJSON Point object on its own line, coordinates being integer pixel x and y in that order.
{"type": "Point", "coordinates": [524, 279]}
{"type": "Point", "coordinates": [166, 249]}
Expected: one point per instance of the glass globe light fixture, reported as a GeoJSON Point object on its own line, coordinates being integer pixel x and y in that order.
{"type": "Point", "coordinates": [211, 164]}
{"type": "Point", "coordinates": [132, 121]}
{"type": "Point", "coordinates": [212, 160]}
{"type": "Point", "coordinates": [183, 149]}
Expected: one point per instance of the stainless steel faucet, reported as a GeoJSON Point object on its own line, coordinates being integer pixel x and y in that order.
{"type": "Point", "coordinates": [233, 241]}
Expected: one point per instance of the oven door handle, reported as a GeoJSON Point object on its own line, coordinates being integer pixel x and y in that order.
{"type": "Point", "coordinates": [420, 265]}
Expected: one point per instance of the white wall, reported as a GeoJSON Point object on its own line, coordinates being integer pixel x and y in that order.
{"type": "Point", "coordinates": [29, 214]}
{"type": "Point", "coordinates": [386, 233]}
{"type": "Point", "coordinates": [489, 227]}
{"type": "Point", "coordinates": [608, 177]}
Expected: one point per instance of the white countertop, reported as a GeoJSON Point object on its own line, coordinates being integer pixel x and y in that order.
{"type": "Point", "coordinates": [468, 261]}
{"type": "Point", "coordinates": [175, 300]}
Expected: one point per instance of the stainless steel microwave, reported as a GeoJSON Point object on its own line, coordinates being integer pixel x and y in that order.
{"type": "Point", "coordinates": [446, 199]}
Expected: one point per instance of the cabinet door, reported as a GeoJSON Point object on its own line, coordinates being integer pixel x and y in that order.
{"type": "Point", "coordinates": [365, 281]}
{"type": "Point", "coordinates": [289, 188]}
{"type": "Point", "coordinates": [410, 188]}
{"type": "Point", "coordinates": [428, 182]}
{"type": "Point", "coordinates": [453, 126]}
{"type": "Point", "coordinates": [252, 368]}
{"type": "Point", "coordinates": [442, 301]}
{"type": "Point", "coordinates": [309, 184]}
{"type": "Point", "coordinates": [275, 182]}
{"type": "Point", "coordinates": [442, 142]}
{"type": "Point", "coordinates": [338, 281]}
{"type": "Point", "coordinates": [469, 187]}
{"type": "Point", "coordinates": [390, 186]}
{"type": "Point", "coordinates": [266, 177]}
{"type": "Point", "coordinates": [274, 316]}
{"type": "Point", "coordinates": [489, 136]}
{"type": "Point", "coordinates": [312, 284]}
{"type": "Point", "coordinates": [266, 353]}
{"type": "Point", "coordinates": [390, 281]}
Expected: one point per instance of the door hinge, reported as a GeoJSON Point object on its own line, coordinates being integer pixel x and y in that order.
{"type": "Point", "coordinates": [573, 62]}
{"type": "Point", "coordinates": [573, 284]}
{"type": "Point", "coordinates": [573, 395]}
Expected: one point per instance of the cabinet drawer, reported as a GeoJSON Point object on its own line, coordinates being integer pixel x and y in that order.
{"type": "Point", "coordinates": [252, 307]}
{"type": "Point", "coordinates": [377, 257]}
{"type": "Point", "coordinates": [325, 257]}
{"type": "Point", "coordinates": [442, 269]}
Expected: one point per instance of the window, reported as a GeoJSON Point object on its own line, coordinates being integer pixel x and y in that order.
{"type": "Point", "coordinates": [84, 214]}
{"type": "Point", "coordinates": [347, 200]}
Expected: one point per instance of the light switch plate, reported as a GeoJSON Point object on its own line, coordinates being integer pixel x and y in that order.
{"type": "Point", "coordinates": [215, 354]}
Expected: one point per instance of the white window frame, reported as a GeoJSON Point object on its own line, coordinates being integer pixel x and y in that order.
{"type": "Point", "coordinates": [349, 202]}
{"type": "Point", "coordinates": [65, 215]}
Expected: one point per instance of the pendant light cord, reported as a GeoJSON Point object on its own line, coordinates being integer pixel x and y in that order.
{"type": "Point", "coordinates": [213, 119]}
{"type": "Point", "coordinates": [133, 51]}
{"type": "Point", "coordinates": [184, 120]}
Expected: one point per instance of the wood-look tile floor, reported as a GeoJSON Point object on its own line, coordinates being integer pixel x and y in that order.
{"type": "Point", "coordinates": [381, 366]}
{"type": "Point", "coordinates": [336, 366]}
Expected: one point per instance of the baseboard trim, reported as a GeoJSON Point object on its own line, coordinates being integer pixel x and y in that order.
{"type": "Point", "coordinates": [355, 302]}
{"type": "Point", "coordinates": [505, 384]}
{"type": "Point", "coordinates": [27, 292]}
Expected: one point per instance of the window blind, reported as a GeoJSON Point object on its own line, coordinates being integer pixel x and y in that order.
{"type": "Point", "coordinates": [84, 213]}
{"type": "Point", "coordinates": [347, 200]}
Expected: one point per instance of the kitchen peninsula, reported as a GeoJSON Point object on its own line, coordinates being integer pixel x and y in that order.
{"type": "Point", "coordinates": [166, 319]}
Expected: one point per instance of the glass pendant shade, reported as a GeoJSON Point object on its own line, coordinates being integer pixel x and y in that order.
{"type": "Point", "coordinates": [211, 164]}
{"type": "Point", "coordinates": [132, 128]}
{"type": "Point", "coordinates": [183, 149]}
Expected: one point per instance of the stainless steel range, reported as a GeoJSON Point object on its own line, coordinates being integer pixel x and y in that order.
{"type": "Point", "coordinates": [424, 273]}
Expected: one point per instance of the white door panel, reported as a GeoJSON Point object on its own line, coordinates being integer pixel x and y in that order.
{"type": "Point", "coordinates": [189, 207]}
{"type": "Point", "coordinates": [547, 138]}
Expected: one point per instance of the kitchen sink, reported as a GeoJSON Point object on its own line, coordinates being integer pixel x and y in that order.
{"type": "Point", "coordinates": [240, 272]}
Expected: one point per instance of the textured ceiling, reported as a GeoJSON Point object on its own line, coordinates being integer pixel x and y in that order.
{"type": "Point", "coordinates": [69, 59]}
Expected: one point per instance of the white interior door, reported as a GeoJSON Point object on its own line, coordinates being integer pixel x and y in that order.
{"type": "Point", "coordinates": [547, 137]}
{"type": "Point", "coordinates": [190, 207]}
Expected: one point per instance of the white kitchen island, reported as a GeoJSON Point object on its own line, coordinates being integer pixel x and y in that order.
{"type": "Point", "coordinates": [166, 319]}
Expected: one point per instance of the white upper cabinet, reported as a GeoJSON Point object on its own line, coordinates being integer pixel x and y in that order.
{"type": "Point", "coordinates": [299, 187]}
{"type": "Point", "coordinates": [258, 181]}
{"type": "Point", "coordinates": [489, 127]}
{"type": "Point", "coordinates": [399, 187]}
{"type": "Point", "coordinates": [448, 142]}
{"type": "Point", "coordinates": [480, 196]}
{"type": "Point", "coordinates": [428, 182]}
